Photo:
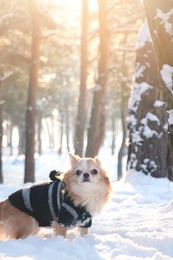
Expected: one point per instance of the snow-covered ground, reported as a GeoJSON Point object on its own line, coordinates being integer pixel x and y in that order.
{"type": "Point", "coordinates": [137, 223]}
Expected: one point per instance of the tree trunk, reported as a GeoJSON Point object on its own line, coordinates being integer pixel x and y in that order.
{"type": "Point", "coordinates": [67, 129]}
{"type": "Point", "coordinates": [11, 138]}
{"type": "Point", "coordinates": [82, 106]}
{"type": "Point", "coordinates": [113, 134]}
{"type": "Point", "coordinates": [49, 126]}
{"type": "Point", "coordinates": [61, 131]}
{"type": "Point", "coordinates": [1, 129]}
{"type": "Point", "coordinates": [2, 78]}
{"type": "Point", "coordinates": [21, 149]}
{"type": "Point", "coordinates": [121, 152]}
{"type": "Point", "coordinates": [52, 132]}
{"type": "Point", "coordinates": [32, 94]}
{"type": "Point", "coordinates": [160, 20]}
{"type": "Point", "coordinates": [39, 131]}
{"type": "Point", "coordinates": [124, 100]}
{"type": "Point", "coordinates": [147, 150]}
{"type": "Point", "coordinates": [97, 122]}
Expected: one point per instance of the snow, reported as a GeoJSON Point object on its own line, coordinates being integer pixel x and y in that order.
{"type": "Point", "coordinates": [165, 17]}
{"type": "Point", "coordinates": [170, 117]}
{"type": "Point", "coordinates": [167, 76]}
{"type": "Point", "coordinates": [146, 130]}
{"type": "Point", "coordinates": [136, 137]}
{"type": "Point", "coordinates": [138, 90]}
{"type": "Point", "coordinates": [139, 70]}
{"type": "Point", "coordinates": [151, 117]}
{"type": "Point", "coordinates": [135, 224]}
{"type": "Point", "coordinates": [144, 36]}
{"type": "Point", "coordinates": [158, 103]}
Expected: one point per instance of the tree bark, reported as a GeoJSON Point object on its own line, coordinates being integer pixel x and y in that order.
{"type": "Point", "coordinates": [160, 20]}
{"type": "Point", "coordinates": [82, 106]}
{"type": "Point", "coordinates": [10, 137]}
{"type": "Point", "coordinates": [147, 150]}
{"type": "Point", "coordinates": [49, 126]}
{"type": "Point", "coordinates": [113, 143]}
{"type": "Point", "coordinates": [32, 94]}
{"type": "Point", "coordinates": [21, 148]}
{"type": "Point", "coordinates": [123, 111]}
{"type": "Point", "coordinates": [124, 100]}
{"type": "Point", "coordinates": [39, 132]}
{"type": "Point", "coordinates": [97, 121]}
{"type": "Point", "coordinates": [1, 129]}
{"type": "Point", "coordinates": [61, 131]}
{"type": "Point", "coordinates": [67, 129]}
{"type": "Point", "coordinates": [2, 79]}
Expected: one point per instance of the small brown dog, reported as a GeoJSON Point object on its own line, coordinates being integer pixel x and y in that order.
{"type": "Point", "coordinates": [72, 201]}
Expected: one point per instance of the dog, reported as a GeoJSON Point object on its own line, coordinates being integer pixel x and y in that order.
{"type": "Point", "coordinates": [71, 199]}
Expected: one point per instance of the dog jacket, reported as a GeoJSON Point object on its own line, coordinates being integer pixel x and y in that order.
{"type": "Point", "coordinates": [49, 202]}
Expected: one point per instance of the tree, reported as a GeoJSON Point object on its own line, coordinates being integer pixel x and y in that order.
{"type": "Point", "coordinates": [160, 21]}
{"type": "Point", "coordinates": [1, 121]}
{"type": "Point", "coordinates": [147, 133]}
{"type": "Point", "coordinates": [122, 42]}
{"type": "Point", "coordinates": [82, 105]}
{"type": "Point", "coordinates": [9, 16]}
{"type": "Point", "coordinates": [96, 129]}
{"type": "Point", "coordinates": [32, 93]}
{"type": "Point", "coordinates": [124, 97]}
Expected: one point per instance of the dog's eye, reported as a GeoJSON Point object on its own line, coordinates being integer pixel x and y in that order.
{"type": "Point", "coordinates": [94, 171]}
{"type": "Point", "coordinates": [78, 172]}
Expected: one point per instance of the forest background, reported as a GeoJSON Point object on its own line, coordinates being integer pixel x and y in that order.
{"type": "Point", "coordinates": [66, 75]}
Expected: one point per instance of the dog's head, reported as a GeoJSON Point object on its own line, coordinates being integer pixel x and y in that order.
{"type": "Point", "coordinates": [86, 180]}
{"type": "Point", "coordinates": [86, 170]}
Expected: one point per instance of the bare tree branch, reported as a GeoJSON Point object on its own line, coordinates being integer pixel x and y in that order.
{"type": "Point", "coordinates": [9, 74]}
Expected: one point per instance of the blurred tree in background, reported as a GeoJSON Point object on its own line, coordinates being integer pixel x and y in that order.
{"type": "Point", "coordinates": [83, 100]}
{"type": "Point", "coordinates": [98, 117]}
{"type": "Point", "coordinates": [31, 109]}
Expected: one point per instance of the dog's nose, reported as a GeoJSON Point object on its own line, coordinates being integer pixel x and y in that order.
{"type": "Point", "coordinates": [86, 175]}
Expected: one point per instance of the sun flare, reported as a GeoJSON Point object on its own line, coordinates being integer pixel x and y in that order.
{"type": "Point", "coordinates": [73, 4]}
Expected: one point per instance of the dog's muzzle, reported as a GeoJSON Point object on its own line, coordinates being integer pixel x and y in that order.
{"type": "Point", "coordinates": [86, 177]}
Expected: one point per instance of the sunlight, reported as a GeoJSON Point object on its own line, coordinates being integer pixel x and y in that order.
{"type": "Point", "coordinates": [75, 4]}
{"type": "Point", "coordinates": [93, 5]}
{"type": "Point", "coordinates": [48, 77]}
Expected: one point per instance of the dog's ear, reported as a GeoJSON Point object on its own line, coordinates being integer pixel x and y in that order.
{"type": "Point", "coordinates": [73, 158]}
{"type": "Point", "coordinates": [97, 160]}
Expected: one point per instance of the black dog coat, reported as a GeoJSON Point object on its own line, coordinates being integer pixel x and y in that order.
{"type": "Point", "coordinates": [49, 202]}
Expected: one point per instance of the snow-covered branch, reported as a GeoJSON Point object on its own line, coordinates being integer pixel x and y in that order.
{"type": "Point", "coordinates": [125, 49]}
{"type": "Point", "coordinates": [6, 76]}
{"type": "Point", "coordinates": [125, 30]}
{"type": "Point", "coordinates": [16, 12]}
{"type": "Point", "coordinates": [165, 17]}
